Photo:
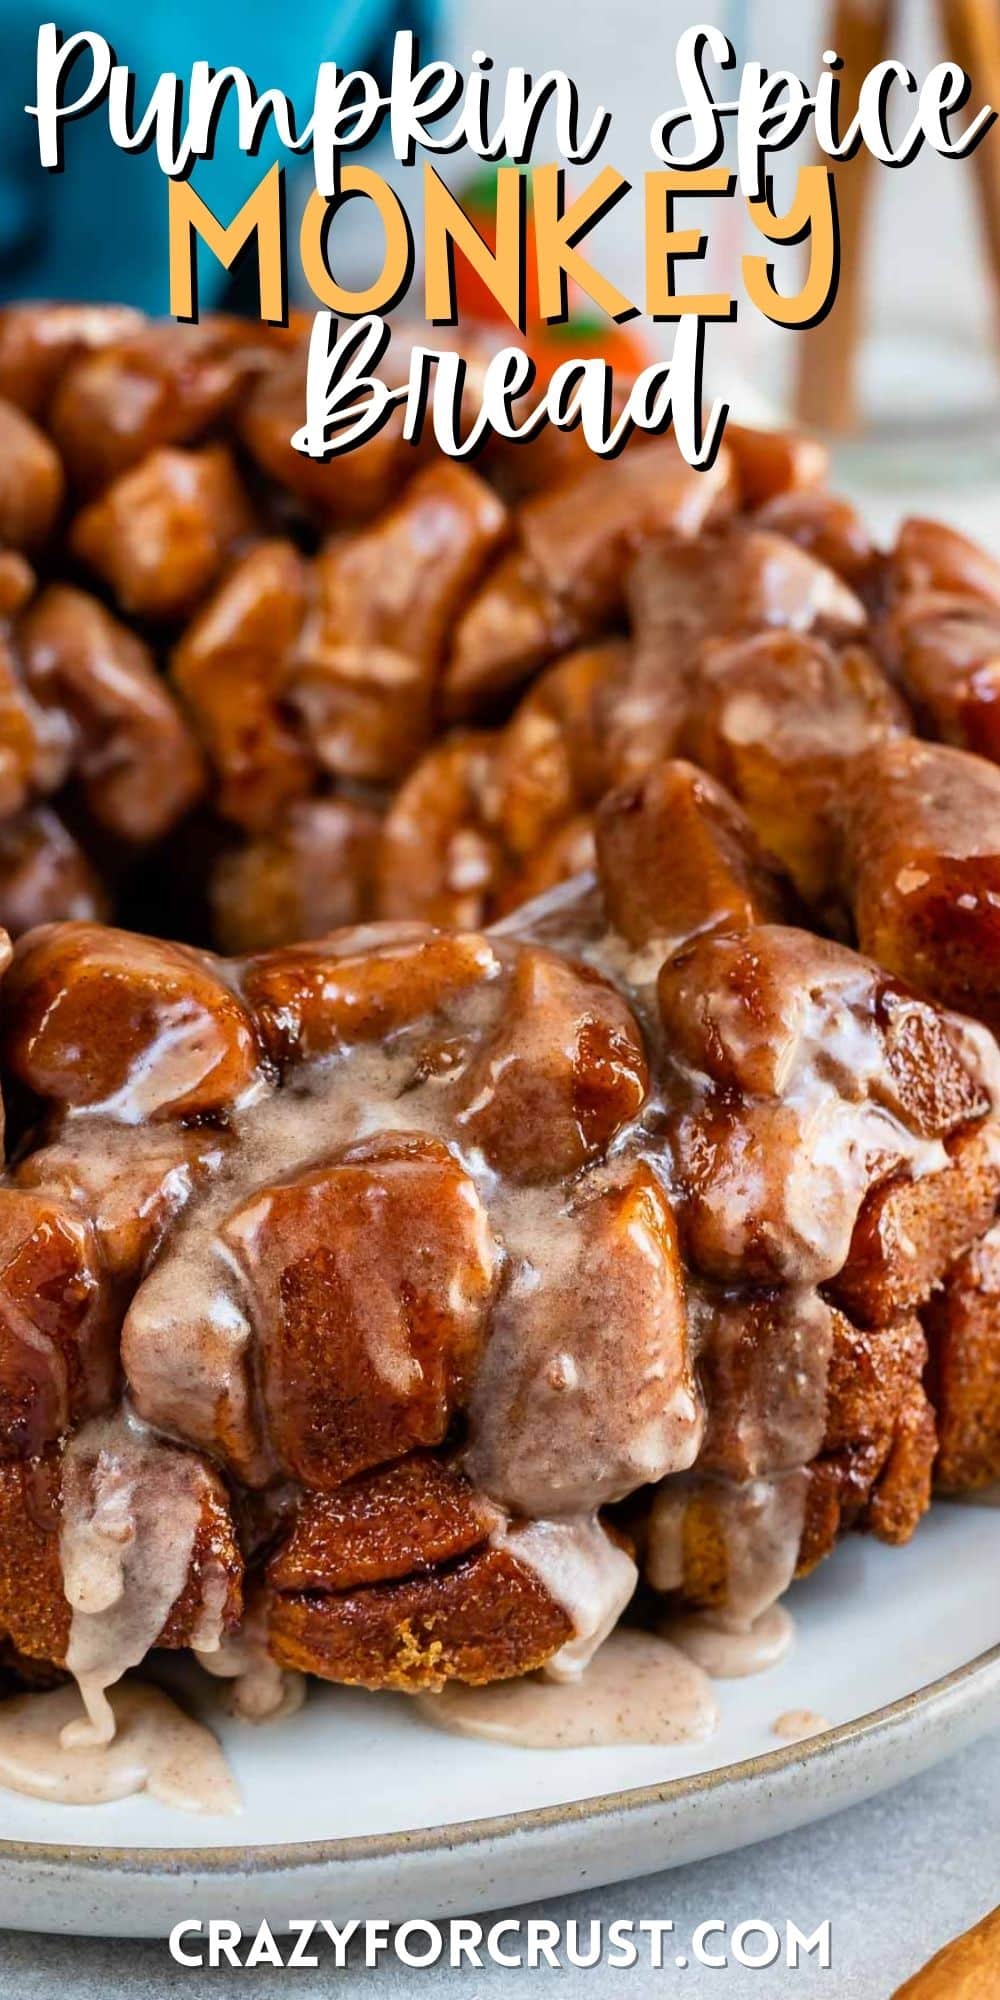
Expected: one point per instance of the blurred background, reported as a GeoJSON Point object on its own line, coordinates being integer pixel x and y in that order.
{"type": "Point", "coordinates": [904, 376]}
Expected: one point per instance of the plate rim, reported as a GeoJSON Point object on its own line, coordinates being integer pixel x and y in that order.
{"type": "Point", "coordinates": [260, 1859]}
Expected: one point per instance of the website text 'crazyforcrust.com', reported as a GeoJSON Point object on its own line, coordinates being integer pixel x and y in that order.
{"type": "Point", "coordinates": [524, 1943]}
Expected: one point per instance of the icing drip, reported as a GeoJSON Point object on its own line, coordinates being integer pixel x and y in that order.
{"type": "Point", "coordinates": [585, 1572]}
{"type": "Point", "coordinates": [561, 1419]}
{"type": "Point", "coordinates": [798, 1723]}
{"type": "Point", "coordinates": [637, 1690]}
{"type": "Point", "coordinates": [728, 1655]}
{"type": "Point", "coordinates": [762, 1525]}
{"type": "Point", "coordinates": [627, 1414]}
{"type": "Point", "coordinates": [765, 1365]}
{"type": "Point", "coordinates": [153, 1748]}
{"type": "Point", "coordinates": [129, 1522]}
{"type": "Point", "coordinates": [261, 1691]}
{"type": "Point", "coordinates": [760, 1521]}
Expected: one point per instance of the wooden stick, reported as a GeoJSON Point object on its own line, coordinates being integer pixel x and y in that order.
{"type": "Point", "coordinates": [827, 375]}
{"type": "Point", "coordinates": [971, 33]}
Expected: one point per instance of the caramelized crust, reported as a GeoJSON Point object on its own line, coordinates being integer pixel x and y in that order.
{"type": "Point", "coordinates": [337, 491]}
{"type": "Point", "coordinates": [764, 1362]}
{"type": "Point", "coordinates": [392, 592]}
{"type": "Point", "coordinates": [45, 875]}
{"type": "Point", "coordinates": [230, 671]}
{"type": "Point", "coordinates": [549, 761]}
{"type": "Point", "coordinates": [394, 1522]}
{"type": "Point", "coordinates": [909, 1230]}
{"type": "Point", "coordinates": [159, 535]}
{"type": "Point", "coordinates": [828, 528]}
{"type": "Point", "coordinates": [677, 856]}
{"type": "Point", "coordinates": [727, 585]}
{"type": "Point", "coordinates": [769, 464]}
{"type": "Point", "coordinates": [780, 720]}
{"type": "Point", "coordinates": [162, 385]}
{"type": "Point", "coordinates": [752, 655]}
{"type": "Point", "coordinates": [130, 1190]}
{"type": "Point", "coordinates": [484, 1618]}
{"type": "Point", "coordinates": [87, 1003]}
{"type": "Point", "coordinates": [372, 1281]}
{"type": "Point", "coordinates": [929, 558]}
{"type": "Point", "coordinates": [962, 1323]}
{"type": "Point", "coordinates": [34, 1613]}
{"type": "Point", "coordinates": [362, 987]}
{"type": "Point", "coordinates": [438, 858]}
{"type": "Point", "coordinates": [512, 626]}
{"type": "Point", "coordinates": [340, 658]}
{"type": "Point", "coordinates": [580, 532]}
{"type": "Point", "coordinates": [756, 711]}
{"type": "Point", "coordinates": [872, 1471]}
{"type": "Point", "coordinates": [368, 658]}
{"type": "Point", "coordinates": [136, 760]}
{"type": "Point", "coordinates": [311, 874]}
{"type": "Point", "coordinates": [631, 1401]}
{"type": "Point", "coordinates": [564, 581]}
{"type": "Point", "coordinates": [565, 1070]}
{"type": "Point", "coordinates": [923, 868]}
{"type": "Point", "coordinates": [482, 822]}
{"type": "Point", "coordinates": [32, 487]}
{"type": "Point", "coordinates": [80, 701]}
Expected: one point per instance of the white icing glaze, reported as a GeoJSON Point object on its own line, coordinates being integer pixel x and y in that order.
{"type": "Point", "coordinates": [663, 1564]}
{"type": "Point", "coordinates": [637, 1689]}
{"type": "Point", "coordinates": [173, 1062]}
{"type": "Point", "coordinates": [154, 1748]}
{"type": "Point", "coordinates": [130, 1515]}
{"type": "Point", "coordinates": [566, 1414]}
{"type": "Point", "coordinates": [585, 1572]}
{"type": "Point", "coordinates": [627, 1413]}
{"type": "Point", "coordinates": [761, 1523]}
{"type": "Point", "coordinates": [785, 1164]}
{"type": "Point", "coordinates": [728, 1655]}
{"type": "Point", "coordinates": [261, 1690]}
{"type": "Point", "coordinates": [797, 1723]}
{"type": "Point", "coordinates": [188, 1334]}
{"type": "Point", "coordinates": [769, 1371]}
